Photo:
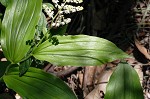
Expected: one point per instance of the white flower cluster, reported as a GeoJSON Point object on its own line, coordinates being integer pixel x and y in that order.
{"type": "Point", "coordinates": [49, 11]}
{"type": "Point", "coordinates": [73, 1]}
{"type": "Point", "coordinates": [70, 9]}
{"type": "Point", "coordinates": [55, 1]}
{"type": "Point", "coordinates": [66, 8]}
{"type": "Point", "coordinates": [61, 21]}
{"type": "Point", "coordinates": [58, 19]}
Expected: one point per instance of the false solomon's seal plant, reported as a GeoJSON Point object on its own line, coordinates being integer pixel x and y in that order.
{"type": "Point", "coordinates": [26, 32]}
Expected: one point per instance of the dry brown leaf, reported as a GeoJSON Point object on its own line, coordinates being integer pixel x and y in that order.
{"type": "Point", "coordinates": [142, 49]}
{"type": "Point", "coordinates": [101, 85]}
{"type": "Point", "coordinates": [88, 83]}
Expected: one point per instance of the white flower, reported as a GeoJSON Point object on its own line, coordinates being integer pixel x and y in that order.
{"type": "Point", "coordinates": [79, 8]}
{"type": "Point", "coordinates": [73, 1]}
{"type": "Point", "coordinates": [51, 14]}
{"type": "Point", "coordinates": [48, 10]}
{"type": "Point", "coordinates": [64, 7]}
{"type": "Point", "coordinates": [68, 9]}
{"type": "Point", "coordinates": [73, 10]}
{"type": "Point", "coordinates": [44, 5]}
{"type": "Point", "coordinates": [59, 7]}
{"type": "Point", "coordinates": [57, 24]}
{"type": "Point", "coordinates": [66, 12]}
{"type": "Point", "coordinates": [55, 1]}
{"type": "Point", "coordinates": [60, 12]}
{"type": "Point", "coordinates": [80, 1]}
{"type": "Point", "coordinates": [53, 24]}
{"type": "Point", "coordinates": [68, 20]}
{"type": "Point", "coordinates": [63, 4]}
{"type": "Point", "coordinates": [56, 5]}
{"type": "Point", "coordinates": [62, 23]}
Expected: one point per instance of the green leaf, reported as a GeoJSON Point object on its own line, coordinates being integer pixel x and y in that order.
{"type": "Point", "coordinates": [124, 83]}
{"type": "Point", "coordinates": [41, 28]}
{"type": "Point", "coordinates": [80, 50]}
{"type": "Point", "coordinates": [18, 27]}
{"type": "Point", "coordinates": [37, 84]}
{"type": "Point", "coordinates": [4, 2]}
{"type": "Point", "coordinates": [3, 66]}
{"type": "Point", "coordinates": [24, 66]}
{"type": "Point", "coordinates": [42, 23]}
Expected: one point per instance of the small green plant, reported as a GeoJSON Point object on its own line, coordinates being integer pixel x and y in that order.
{"type": "Point", "coordinates": [26, 33]}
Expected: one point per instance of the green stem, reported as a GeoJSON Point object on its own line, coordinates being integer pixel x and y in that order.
{"type": "Point", "coordinates": [48, 29]}
{"type": "Point", "coordinates": [8, 68]}
{"type": "Point", "coordinates": [26, 57]}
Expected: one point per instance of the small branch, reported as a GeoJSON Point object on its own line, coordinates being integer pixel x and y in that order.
{"type": "Point", "coordinates": [46, 68]}
{"type": "Point", "coordinates": [66, 72]}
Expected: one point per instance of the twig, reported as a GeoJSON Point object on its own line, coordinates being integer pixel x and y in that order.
{"type": "Point", "coordinates": [47, 67]}
{"type": "Point", "coordinates": [66, 72]}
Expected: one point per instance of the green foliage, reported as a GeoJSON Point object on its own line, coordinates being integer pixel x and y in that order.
{"type": "Point", "coordinates": [124, 83]}
{"type": "Point", "coordinates": [41, 28]}
{"type": "Point", "coordinates": [4, 2]}
{"type": "Point", "coordinates": [3, 66]}
{"type": "Point", "coordinates": [80, 50]}
{"type": "Point", "coordinates": [18, 26]}
{"type": "Point", "coordinates": [25, 33]}
{"type": "Point", "coordinates": [24, 66]}
{"type": "Point", "coordinates": [36, 84]}
{"type": "Point", "coordinates": [0, 21]}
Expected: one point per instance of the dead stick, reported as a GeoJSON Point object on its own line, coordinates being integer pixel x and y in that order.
{"type": "Point", "coordinates": [66, 72]}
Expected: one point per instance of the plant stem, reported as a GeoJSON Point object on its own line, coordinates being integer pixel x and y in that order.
{"type": "Point", "coordinates": [8, 68]}
{"type": "Point", "coordinates": [48, 31]}
{"type": "Point", "coordinates": [26, 57]}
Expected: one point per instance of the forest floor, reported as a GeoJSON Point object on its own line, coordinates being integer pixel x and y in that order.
{"type": "Point", "coordinates": [90, 82]}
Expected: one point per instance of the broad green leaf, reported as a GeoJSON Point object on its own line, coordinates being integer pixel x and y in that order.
{"type": "Point", "coordinates": [3, 66]}
{"type": "Point", "coordinates": [24, 66]}
{"type": "Point", "coordinates": [124, 83]}
{"type": "Point", "coordinates": [42, 23]}
{"type": "Point", "coordinates": [37, 84]}
{"type": "Point", "coordinates": [4, 2]}
{"type": "Point", "coordinates": [41, 28]}
{"type": "Point", "coordinates": [18, 27]}
{"type": "Point", "coordinates": [80, 50]}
